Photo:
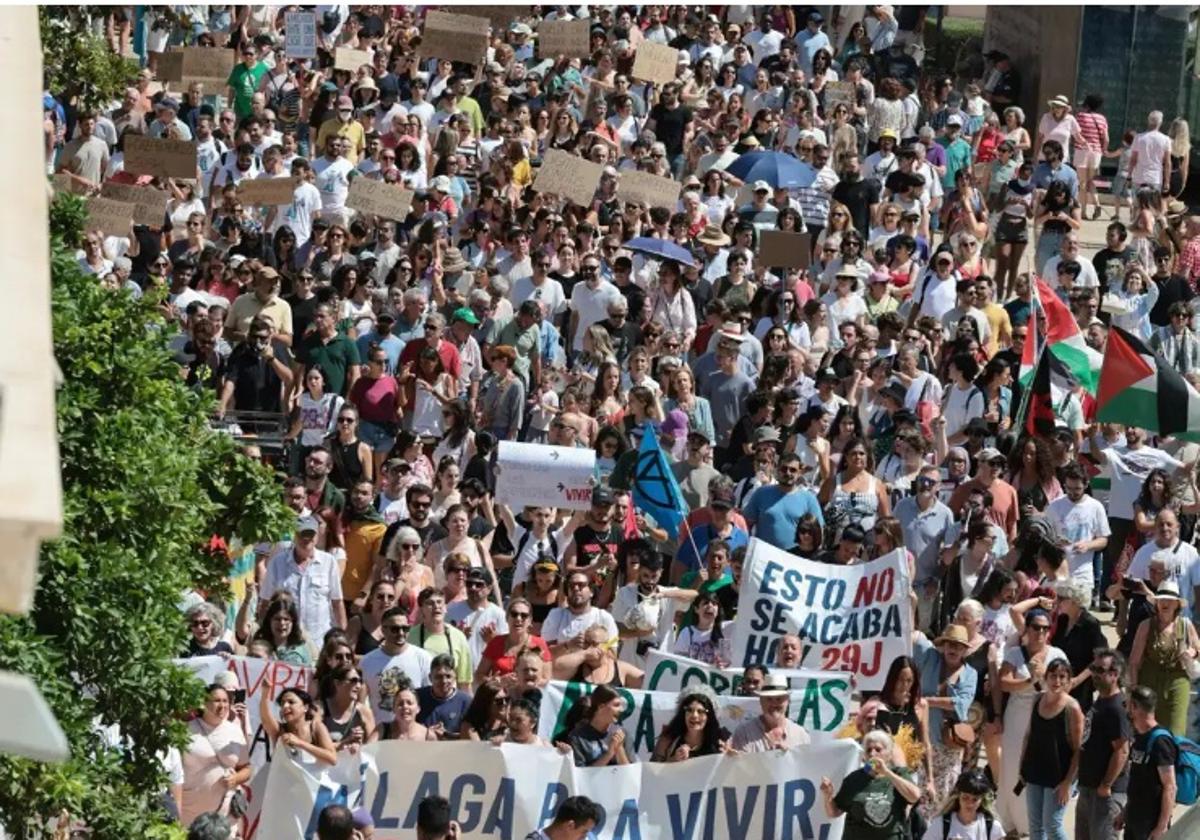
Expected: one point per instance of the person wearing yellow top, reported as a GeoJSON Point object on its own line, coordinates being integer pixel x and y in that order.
{"type": "Point", "coordinates": [999, 324]}
{"type": "Point", "coordinates": [434, 635]}
{"type": "Point", "coordinates": [263, 300]}
{"type": "Point", "coordinates": [344, 125]}
{"type": "Point", "coordinates": [464, 103]}
{"type": "Point", "coordinates": [363, 529]}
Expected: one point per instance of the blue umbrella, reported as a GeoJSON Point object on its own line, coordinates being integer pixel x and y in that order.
{"type": "Point", "coordinates": [661, 248]}
{"type": "Point", "coordinates": [776, 168]}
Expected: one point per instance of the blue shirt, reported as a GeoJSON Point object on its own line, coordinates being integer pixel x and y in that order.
{"type": "Point", "coordinates": [958, 156]}
{"type": "Point", "coordinates": [692, 551]}
{"type": "Point", "coordinates": [1043, 175]}
{"type": "Point", "coordinates": [924, 533]}
{"type": "Point", "coordinates": [773, 513]}
{"type": "Point", "coordinates": [389, 344]}
{"type": "Point", "coordinates": [807, 44]}
{"type": "Point", "coordinates": [962, 692]}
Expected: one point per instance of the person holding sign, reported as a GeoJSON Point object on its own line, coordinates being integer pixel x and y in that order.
{"type": "Point", "coordinates": [772, 730]}
{"type": "Point", "coordinates": [85, 159]}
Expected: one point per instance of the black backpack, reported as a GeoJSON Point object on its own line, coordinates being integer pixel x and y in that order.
{"type": "Point", "coordinates": [988, 821]}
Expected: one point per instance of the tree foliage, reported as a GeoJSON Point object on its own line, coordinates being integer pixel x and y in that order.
{"type": "Point", "coordinates": [146, 483]}
{"type": "Point", "coordinates": [79, 62]}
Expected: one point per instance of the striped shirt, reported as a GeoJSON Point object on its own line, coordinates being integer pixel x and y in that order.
{"type": "Point", "coordinates": [1094, 128]}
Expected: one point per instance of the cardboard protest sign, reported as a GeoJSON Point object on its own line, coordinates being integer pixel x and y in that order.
{"type": "Point", "coordinates": [849, 618]}
{"type": "Point", "coordinates": [571, 38]}
{"type": "Point", "coordinates": [783, 249]}
{"type": "Point", "coordinates": [267, 192]}
{"type": "Point", "coordinates": [840, 92]}
{"type": "Point", "coordinates": [655, 63]}
{"type": "Point", "coordinates": [348, 59]}
{"type": "Point", "coordinates": [649, 190]}
{"type": "Point", "coordinates": [300, 34]}
{"type": "Point", "coordinates": [567, 176]}
{"type": "Point", "coordinates": [63, 183]}
{"type": "Point", "coordinates": [150, 204]}
{"type": "Point", "coordinates": [161, 158]}
{"type": "Point", "coordinates": [108, 215]}
{"type": "Point", "coordinates": [183, 64]}
{"type": "Point", "coordinates": [512, 790]}
{"type": "Point", "coordinates": [821, 709]}
{"type": "Point", "coordinates": [379, 198]}
{"type": "Point", "coordinates": [537, 474]}
{"type": "Point", "coordinates": [455, 37]}
{"type": "Point", "coordinates": [254, 675]}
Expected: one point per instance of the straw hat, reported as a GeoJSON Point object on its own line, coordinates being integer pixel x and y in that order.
{"type": "Point", "coordinates": [713, 235]}
{"type": "Point", "coordinates": [954, 633]}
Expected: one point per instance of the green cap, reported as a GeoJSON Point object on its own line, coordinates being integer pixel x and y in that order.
{"type": "Point", "coordinates": [465, 314]}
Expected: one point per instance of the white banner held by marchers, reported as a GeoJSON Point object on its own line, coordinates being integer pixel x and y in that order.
{"type": "Point", "coordinates": [537, 474]}
{"type": "Point", "coordinates": [849, 618]}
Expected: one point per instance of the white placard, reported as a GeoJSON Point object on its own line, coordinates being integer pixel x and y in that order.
{"type": "Point", "coordinates": [301, 34]}
{"type": "Point", "coordinates": [537, 474]}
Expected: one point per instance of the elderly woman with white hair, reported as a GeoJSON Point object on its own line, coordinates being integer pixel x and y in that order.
{"type": "Point", "coordinates": [1078, 634]}
{"type": "Point", "coordinates": [875, 797]}
{"type": "Point", "coordinates": [207, 625]}
{"type": "Point", "coordinates": [404, 566]}
{"type": "Point", "coordinates": [1016, 133]}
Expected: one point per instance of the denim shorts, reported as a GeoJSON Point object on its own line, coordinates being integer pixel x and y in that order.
{"type": "Point", "coordinates": [376, 436]}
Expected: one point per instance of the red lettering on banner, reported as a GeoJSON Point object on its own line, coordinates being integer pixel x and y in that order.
{"type": "Point", "coordinates": [878, 587]}
{"type": "Point", "coordinates": [850, 658]}
{"type": "Point", "coordinates": [577, 494]}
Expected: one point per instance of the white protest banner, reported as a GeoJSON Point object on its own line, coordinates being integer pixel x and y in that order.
{"type": "Point", "coordinates": [667, 671]}
{"type": "Point", "coordinates": [552, 476]}
{"type": "Point", "coordinates": [511, 790]}
{"type": "Point", "coordinates": [821, 714]}
{"type": "Point", "coordinates": [849, 618]}
{"type": "Point", "coordinates": [567, 176]}
{"type": "Point", "coordinates": [252, 675]}
{"type": "Point", "coordinates": [300, 34]}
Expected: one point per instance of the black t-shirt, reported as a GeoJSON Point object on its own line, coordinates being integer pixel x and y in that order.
{"type": "Point", "coordinates": [430, 533]}
{"type": "Point", "coordinates": [669, 124]}
{"type": "Point", "coordinates": [1145, 785]}
{"type": "Point", "coordinates": [858, 196]}
{"type": "Point", "coordinates": [590, 543]}
{"type": "Point", "coordinates": [302, 314]}
{"type": "Point", "coordinates": [150, 245]}
{"type": "Point", "coordinates": [1170, 290]}
{"type": "Point", "coordinates": [1080, 645]}
{"type": "Point", "coordinates": [1110, 267]}
{"type": "Point", "coordinates": [256, 385]}
{"type": "Point", "coordinates": [635, 296]}
{"type": "Point", "coordinates": [1105, 723]}
{"type": "Point", "coordinates": [624, 338]}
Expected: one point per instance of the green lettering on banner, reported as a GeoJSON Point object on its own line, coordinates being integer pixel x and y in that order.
{"type": "Point", "coordinates": [663, 668]}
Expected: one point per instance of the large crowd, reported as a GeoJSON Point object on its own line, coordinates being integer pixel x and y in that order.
{"type": "Point", "coordinates": [863, 399]}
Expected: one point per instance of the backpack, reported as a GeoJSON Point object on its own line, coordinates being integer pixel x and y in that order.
{"type": "Point", "coordinates": [1187, 765]}
{"type": "Point", "coordinates": [521, 543]}
{"type": "Point", "coordinates": [988, 821]}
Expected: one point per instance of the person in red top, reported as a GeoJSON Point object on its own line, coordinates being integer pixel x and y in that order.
{"type": "Point", "coordinates": [376, 395]}
{"type": "Point", "coordinates": [499, 658]}
{"type": "Point", "coordinates": [435, 327]}
{"type": "Point", "coordinates": [1094, 128]}
{"type": "Point", "coordinates": [1004, 510]}
{"type": "Point", "coordinates": [1188, 265]}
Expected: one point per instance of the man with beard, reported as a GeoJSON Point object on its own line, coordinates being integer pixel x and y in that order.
{"type": "Point", "coordinates": [564, 627]}
{"type": "Point", "coordinates": [774, 511]}
{"type": "Point", "coordinates": [242, 167]}
{"type": "Point", "coordinates": [771, 730]}
{"type": "Point", "coordinates": [257, 374]}
{"type": "Point", "coordinates": [593, 548]}
{"type": "Point", "coordinates": [435, 636]}
{"type": "Point", "coordinates": [310, 576]}
{"type": "Point", "coordinates": [321, 492]}
{"type": "Point", "coordinates": [334, 353]}
{"type": "Point", "coordinates": [362, 529]}
{"type": "Point", "coordinates": [859, 195]}
{"type": "Point", "coordinates": [478, 618]}
{"type": "Point", "coordinates": [1083, 521]}
{"type": "Point", "coordinates": [394, 661]}
{"type": "Point", "coordinates": [418, 501]}
{"type": "Point", "coordinates": [645, 612]}
{"type": "Point", "coordinates": [1103, 774]}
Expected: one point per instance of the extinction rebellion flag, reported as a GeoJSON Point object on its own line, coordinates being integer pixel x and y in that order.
{"type": "Point", "coordinates": [1137, 388]}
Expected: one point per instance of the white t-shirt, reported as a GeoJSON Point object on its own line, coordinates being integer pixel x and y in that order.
{"type": "Point", "coordinates": [1087, 279]}
{"type": "Point", "coordinates": [975, 831]}
{"type": "Point", "coordinates": [527, 556]}
{"type": "Point", "coordinates": [1150, 147]}
{"type": "Point", "coordinates": [591, 306]}
{"type": "Point", "coordinates": [657, 611]}
{"type": "Point", "coordinates": [962, 406]}
{"type": "Point", "coordinates": [1083, 520]}
{"type": "Point", "coordinates": [1182, 561]}
{"type": "Point", "coordinates": [917, 390]}
{"type": "Point", "coordinates": [380, 670]}
{"type": "Point", "coordinates": [1129, 470]}
{"type": "Point", "coordinates": [937, 296]}
{"type": "Point", "coordinates": [306, 204]}
{"type": "Point", "coordinates": [549, 293]}
{"type": "Point", "coordinates": [472, 622]}
{"type": "Point", "coordinates": [333, 181]}
{"type": "Point", "coordinates": [562, 624]}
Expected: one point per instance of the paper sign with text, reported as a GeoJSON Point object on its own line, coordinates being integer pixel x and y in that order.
{"type": "Point", "coordinates": [161, 158]}
{"type": "Point", "coordinates": [571, 38]}
{"type": "Point", "coordinates": [300, 34]}
{"type": "Point", "coordinates": [108, 215]}
{"type": "Point", "coordinates": [849, 618]}
{"type": "Point", "coordinates": [150, 204]}
{"type": "Point", "coordinates": [348, 59]}
{"type": "Point", "coordinates": [649, 190]}
{"type": "Point", "coordinates": [184, 64]}
{"type": "Point", "coordinates": [379, 199]}
{"type": "Point", "coordinates": [538, 474]}
{"type": "Point", "coordinates": [839, 92]}
{"type": "Point", "coordinates": [455, 37]}
{"type": "Point", "coordinates": [568, 176]}
{"type": "Point", "coordinates": [655, 63]}
{"type": "Point", "coordinates": [267, 192]}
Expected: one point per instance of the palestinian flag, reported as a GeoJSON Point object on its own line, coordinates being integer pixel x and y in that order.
{"type": "Point", "coordinates": [1137, 388]}
{"type": "Point", "coordinates": [1065, 340]}
{"type": "Point", "coordinates": [1049, 388]}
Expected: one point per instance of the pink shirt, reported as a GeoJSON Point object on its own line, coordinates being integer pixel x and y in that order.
{"type": "Point", "coordinates": [375, 399]}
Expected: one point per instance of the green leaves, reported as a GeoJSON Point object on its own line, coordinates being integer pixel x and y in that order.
{"type": "Point", "coordinates": [79, 62]}
{"type": "Point", "coordinates": [146, 484]}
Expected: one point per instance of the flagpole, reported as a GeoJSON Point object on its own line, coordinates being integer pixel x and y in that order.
{"type": "Point", "coordinates": [1023, 408]}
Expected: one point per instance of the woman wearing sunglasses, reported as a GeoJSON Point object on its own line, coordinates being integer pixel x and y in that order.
{"type": "Point", "coordinates": [347, 718]}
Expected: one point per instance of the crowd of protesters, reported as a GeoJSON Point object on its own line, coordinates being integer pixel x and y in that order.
{"type": "Point", "coordinates": [863, 400]}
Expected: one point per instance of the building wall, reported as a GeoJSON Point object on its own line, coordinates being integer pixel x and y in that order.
{"type": "Point", "coordinates": [1043, 42]}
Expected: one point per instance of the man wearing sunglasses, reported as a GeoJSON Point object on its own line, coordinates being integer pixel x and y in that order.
{"type": "Point", "coordinates": [1103, 770]}
{"type": "Point", "coordinates": [311, 577]}
{"type": "Point", "coordinates": [393, 662]}
{"type": "Point", "coordinates": [925, 521]}
{"type": "Point", "coordinates": [478, 618]}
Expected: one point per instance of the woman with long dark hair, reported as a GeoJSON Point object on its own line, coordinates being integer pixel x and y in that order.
{"type": "Point", "coordinates": [1032, 475]}
{"type": "Point", "coordinates": [345, 713]}
{"type": "Point", "coordinates": [298, 728]}
{"type": "Point", "coordinates": [694, 729]}
{"type": "Point", "coordinates": [281, 630]}
{"type": "Point", "coordinates": [704, 639]}
{"type": "Point", "coordinates": [597, 740]}
{"type": "Point", "coordinates": [487, 716]}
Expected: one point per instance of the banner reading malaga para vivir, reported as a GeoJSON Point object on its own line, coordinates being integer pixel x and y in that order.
{"type": "Point", "coordinates": [508, 791]}
{"type": "Point", "coordinates": [849, 618]}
